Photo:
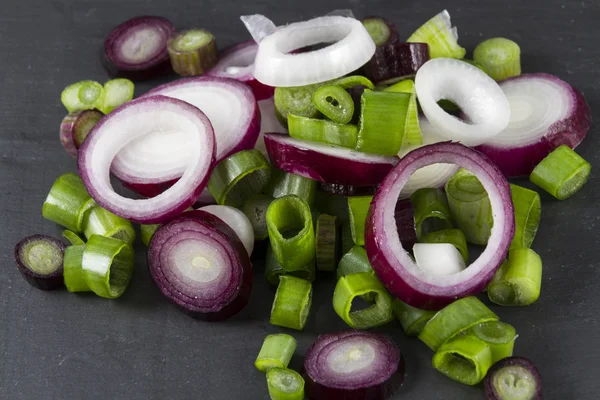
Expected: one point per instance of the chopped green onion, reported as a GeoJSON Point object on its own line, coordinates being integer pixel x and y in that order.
{"type": "Point", "coordinates": [255, 209]}
{"type": "Point", "coordinates": [334, 103]}
{"type": "Point", "coordinates": [470, 206]}
{"type": "Point", "coordinates": [193, 52]}
{"type": "Point", "coordinates": [99, 221]}
{"type": "Point", "coordinates": [454, 319]}
{"type": "Point", "coordinates": [285, 384]}
{"type": "Point", "coordinates": [412, 319]}
{"type": "Point", "coordinates": [351, 81]}
{"type": "Point", "coordinates": [347, 242]}
{"type": "Point", "coordinates": [67, 202]}
{"type": "Point", "coordinates": [326, 243]}
{"type": "Point", "coordinates": [83, 95]}
{"type": "Point", "coordinates": [273, 269]}
{"type": "Point", "coordinates": [355, 261]}
{"type": "Point", "coordinates": [465, 359]}
{"type": "Point", "coordinates": [358, 208]}
{"type": "Point", "coordinates": [296, 100]}
{"type": "Point", "coordinates": [276, 352]}
{"type": "Point", "coordinates": [382, 122]}
{"type": "Point", "coordinates": [528, 210]}
{"type": "Point", "coordinates": [292, 303]}
{"type": "Point", "coordinates": [116, 92]}
{"type": "Point", "coordinates": [499, 57]}
{"type": "Point", "coordinates": [562, 173]}
{"type": "Point", "coordinates": [453, 236]}
{"type": "Point", "coordinates": [518, 281]}
{"type": "Point", "coordinates": [147, 231]}
{"type": "Point", "coordinates": [432, 213]}
{"type": "Point", "coordinates": [412, 130]}
{"type": "Point", "coordinates": [284, 184]}
{"type": "Point", "coordinates": [360, 285]}
{"type": "Point", "coordinates": [378, 30]}
{"type": "Point", "coordinates": [72, 237]}
{"type": "Point", "coordinates": [73, 272]}
{"type": "Point", "coordinates": [107, 265]}
{"type": "Point", "coordinates": [238, 177]}
{"type": "Point", "coordinates": [320, 130]}
{"type": "Point", "coordinates": [499, 336]}
{"type": "Point", "coordinates": [440, 36]}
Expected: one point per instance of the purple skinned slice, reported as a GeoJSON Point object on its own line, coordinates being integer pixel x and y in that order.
{"type": "Point", "coordinates": [513, 378]}
{"type": "Point", "coordinates": [40, 261]}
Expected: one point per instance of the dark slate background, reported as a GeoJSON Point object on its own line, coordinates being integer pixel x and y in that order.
{"type": "Point", "coordinates": [65, 346]}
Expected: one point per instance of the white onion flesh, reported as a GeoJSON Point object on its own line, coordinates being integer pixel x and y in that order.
{"type": "Point", "coordinates": [268, 123]}
{"type": "Point", "coordinates": [237, 221]}
{"type": "Point", "coordinates": [441, 259]}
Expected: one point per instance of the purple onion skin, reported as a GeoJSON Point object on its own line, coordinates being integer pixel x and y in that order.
{"type": "Point", "coordinates": [520, 161]}
{"type": "Point", "coordinates": [43, 282]}
{"type": "Point", "coordinates": [148, 189]}
{"type": "Point", "coordinates": [405, 222]}
{"type": "Point", "coordinates": [395, 61]}
{"type": "Point", "coordinates": [490, 390]}
{"type": "Point", "coordinates": [346, 190]}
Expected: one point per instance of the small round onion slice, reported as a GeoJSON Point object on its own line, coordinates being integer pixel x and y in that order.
{"type": "Point", "coordinates": [237, 221]}
{"type": "Point", "coordinates": [480, 98]}
{"type": "Point", "coordinates": [395, 267]}
{"type": "Point", "coordinates": [199, 263]}
{"type": "Point", "coordinates": [513, 378]}
{"type": "Point", "coordinates": [546, 112]}
{"type": "Point", "coordinates": [136, 119]}
{"type": "Point", "coordinates": [353, 365]}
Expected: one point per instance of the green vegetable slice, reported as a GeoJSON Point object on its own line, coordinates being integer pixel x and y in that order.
{"type": "Point", "coordinates": [518, 281]}
{"type": "Point", "coordinates": [292, 303]}
{"type": "Point", "coordinates": [465, 359]}
{"type": "Point", "coordinates": [276, 352]}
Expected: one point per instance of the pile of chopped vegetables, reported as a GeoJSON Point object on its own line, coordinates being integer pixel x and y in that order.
{"type": "Point", "coordinates": [379, 161]}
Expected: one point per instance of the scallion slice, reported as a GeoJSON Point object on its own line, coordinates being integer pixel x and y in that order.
{"type": "Point", "coordinates": [347, 242]}
{"type": "Point", "coordinates": [285, 384]}
{"type": "Point", "coordinates": [292, 303]}
{"type": "Point", "coordinates": [273, 269]}
{"type": "Point", "coordinates": [72, 237]}
{"type": "Point", "coordinates": [83, 95]}
{"type": "Point", "coordinates": [68, 202]}
{"type": "Point", "coordinates": [412, 130]}
{"type": "Point", "coordinates": [276, 352]}
{"type": "Point", "coordinates": [499, 57]}
{"type": "Point", "coordinates": [454, 237]}
{"type": "Point", "coordinates": [296, 100]}
{"type": "Point", "coordinates": [147, 231]}
{"type": "Point", "coordinates": [378, 29]}
{"type": "Point", "coordinates": [411, 318]}
{"type": "Point", "coordinates": [40, 261]}
{"type": "Point", "coordinates": [320, 130]}
{"type": "Point", "coordinates": [255, 209]}
{"type": "Point", "coordinates": [334, 103]}
{"type": "Point", "coordinates": [348, 82]}
{"type": "Point", "coordinates": [355, 261]}
{"type": "Point", "coordinates": [358, 208]}
{"type": "Point", "coordinates": [518, 281]}
{"type": "Point", "coordinates": [99, 221]}
{"type": "Point", "coordinates": [513, 378]}
{"type": "Point", "coordinates": [528, 210]}
{"type": "Point", "coordinates": [432, 212]}
{"type": "Point", "coordinates": [500, 336]}
{"type": "Point", "coordinates": [326, 243]}
{"type": "Point", "coordinates": [441, 37]}
{"type": "Point", "coordinates": [465, 359]}
{"type": "Point", "coordinates": [193, 52]}
{"type": "Point", "coordinates": [116, 92]}
{"type": "Point", "coordinates": [284, 184]}
{"type": "Point", "coordinates": [74, 277]}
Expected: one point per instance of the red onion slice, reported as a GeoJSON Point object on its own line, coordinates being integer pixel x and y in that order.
{"type": "Point", "coordinates": [199, 263]}
{"type": "Point", "coordinates": [394, 266]}
{"type": "Point", "coordinates": [140, 118]}
{"type": "Point", "coordinates": [546, 112]}
{"type": "Point", "coordinates": [237, 221]}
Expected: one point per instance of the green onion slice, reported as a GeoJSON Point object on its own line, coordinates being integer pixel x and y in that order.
{"type": "Point", "coordinates": [465, 359]}
{"type": "Point", "coordinates": [296, 100]}
{"type": "Point", "coordinates": [73, 275]}
{"type": "Point", "coordinates": [72, 237]}
{"type": "Point", "coordinates": [68, 202]}
{"type": "Point", "coordinates": [116, 92]}
{"type": "Point", "coordinates": [283, 184]}
{"type": "Point", "coordinates": [193, 52]}
{"type": "Point", "coordinates": [255, 209]}
{"type": "Point", "coordinates": [292, 303]}
{"type": "Point", "coordinates": [276, 352]}
{"type": "Point", "coordinates": [499, 57]}
{"type": "Point", "coordinates": [285, 384]}
{"type": "Point", "coordinates": [441, 37]}
{"type": "Point", "coordinates": [326, 243]}
{"type": "Point", "coordinates": [412, 130]}
{"type": "Point", "coordinates": [358, 208]}
{"type": "Point", "coordinates": [432, 212]}
{"type": "Point", "coordinates": [351, 81]}
{"type": "Point", "coordinates": [518, 281]}
{"type": "Point", "coordinates": [99, 221]}
{"type": "Point", "coordinates": [355, 261]}
{"type": "Point", "coordinates": [412, 319]}
{"type": "Point", "coordinates": [83, 95]}
{"type": "Point", "coordinates": [528, 210]}
{"type": "Point", "coordinates": [500, 336]}
{"type": "Point", "coordinates": [347, 242]}
{"type": "Point", "coordinates": [334, 103]}
{"type": "Point", "coordinates": [273, 269]}
{"type": "Point", "coordinates": [147, 231]}
{"type": "Point", "coordinates": [378, 30]}
{"type": "Point", "coordinates": [320, 130]}
{"type": "Point", "coordinates": [454, 237]}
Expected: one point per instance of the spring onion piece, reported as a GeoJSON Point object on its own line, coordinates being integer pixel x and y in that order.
{"type": "Point", "coordinates": [291, 232]}
{"type": "Point", "coordinates": [382, 122]}
{"type": "Point", "coordinates": [347, 242]}
{"type": "Point", "coordinates": [255, 209]}
{"type": "Point", "coordinates": [412, 319]}
{"type": "Point", "coordinates": [353, 365]}
{"type": "Point", "coordinates": [352, 48]}
{"type": "Point", "coordinates": [432, 212]}
{"type": "Point", "coordinates": [465, 359]}
{"type": "Point", "coordinates": [292, 303]}
{"type": "Point", "coordinates": [527, 215]}
{"type": "Point", "coordinates": [441, 37]}
{"type": "Point", "coordinates": [470, 206]}
{"type": "Point", "coordinates": [358, 208]}
{"type": "Point", "coordinates": [499, 57]}
{"type": "Point", "coordinates": [562, 173]}
{"type": "Point", "coordinates": [74, 278]}
{"type": "Point", "coordinates": [353, 81]}
{"type": "Point", "coordinates": [518, 281]}
{"type": "Point", "coordinates": [335, 103]}
{"type": "Point", "coordinates": [199, 263]}
{"type": "Point", "coordinates": [454, 237]}
{"type": "Point", "coordinates": [116, 92]}
{"type": "Point", "coordinates": [380, 30]}
{"type": "Point", "coordinates": [147, 231]}
{"type": "Point", "coordinates": [405, 224]}
{"type": "Point", "coordinates": [327, 163]}
{"type": "Point", "coordinates": [326, 243]}
{"type": "Point", "coordinates": [238, 177]}
{"type": "Point", "coordinates": [355, 261]}
{"type": "Point", "coordinates": [137, 48]}
{"type": "Point", "coordinates": [412, 129]}
{"type": "Point", "coordinates": [67, 202]}
{"type": "Point", "coordinates": [237, 221]}
{"type": "Point", "coordinates": [499, 336]}
{"type": "Point", "coordinates": [75, 127]}
{"type": "Point", "coordinates": [297, 101]}
{"type": "Point", "coordinates": [273, 269]}
{"type": "Point", "coordinates": [276, 352]}
{"type": "Point", "coordinates": [441, 259]}
{"type": "Point", "coordinates": [40, 261]}
{"type": "Point", "coordinates": [546, 112]}
{"type": "Point", "coordinates": [283, 184]}
{"type": "Point", "coordinates": [285, 384]}
{"type": "Point", "coordinates": [513, 378]}
{"type": "Point", "coordinates": [72, 238]}
{"type": "Point", "coordinates": [148, 116]}
{"type": "Point", "coordinates": [83, 95]}
{"type": "Point", "coordinates": [99, 221]}
{"type": "Point", "coordinates": [453, 319]}
{"type": "Point", "coordinates": [193, 52]}
{"type": "Point", "coordinates": [320, 130]}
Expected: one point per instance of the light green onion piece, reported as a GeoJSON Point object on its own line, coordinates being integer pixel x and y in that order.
{"type": "Point", "coordinates": [470, 206]}
{"type": "Point", "coordinates": [528, 210]}
{"type": "Point", "coordinates": [193, 52]}
{"type": "Point", "coordinates": [411, 318]}
{"type": "Point", "coordinates": [320, 130]}
{"type": "Point", "coordinates": [499, 57]}
{"type": "Point", "coordinates": [378, 30]}
{"type": "Point", "coordinates": [431, 211]}
{"type": "Point", "coordinates": [562, 173]}
{"type": "Point", "coordinates": [296, 100]}
{"type": "Point", "coordinates": [116, 92]}
{"type": "Point", "coordinates": [500, 336]}
{"type": "Point", "coordinates": [73, 275]}
{"type": "Point", "coordinates": [147, 231]}
{"type": "Point", "coordinates": [292, 302]}
{"type": "Point", "coordinates": [355, 261]}
{"type": "Point", "coordinates": [83, 95]}
{"type": "Point", "coordinates": [99, 221]}
{"type": "Point", "coordinates": [326, 243]}
{"type": "Point", "coordinates": [454, 319]}
{"type": "Point", "coordinates": [255, 209]}
{"type": "Point", "coordinates": [453, 236]}
{"type": "Point", "coordinates": [351, 81]}
{"type": "Point", "coordinates": [238, 177]}
{"type": "Point", "coordinates": [358, 208]}
{"type": "Point", "coordinates": [360, 285]}
{"type": "Point", "coordinates": [276, 352]}
{"type": "Point", "coordinates": [347, 242]}
{"type": "Point", "coordinates": [285, 384]}
{"type": "Point", "coordinates": [72, 237]}
{"type": "Point", "coordinates": [382, 122]}
{"type": "Point", "coordinates": [519, 280]}
{"type": "Point", "coordinates": [68, 202]}
{"type": "Point", "coordinates": [465, 359]}
{"type": "Point", "coordinates": [283, 184]}
{"type": "Point", "coordinates": [273, 269]}
{"type": "Point", "coordinates": [334, 103]}
{"type": "Point", "coordinates": [107, 265]}
{"type": "Point", "coordinates": [412, 130]}
{"type": "Point", "coordinates": [441, 37]}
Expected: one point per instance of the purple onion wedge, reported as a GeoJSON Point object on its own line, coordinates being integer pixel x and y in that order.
{"type": "Point", "coordinates": [40, 261]}
{"type": "Point", "coordinates": [396, 61]}
{"type": "Point", "coordinates": [200, 264]}
{"type": "Point", "coordinates": [513, 378]}
{"type": "Point", "coordinates": [327, 163]}
{"type": "Point", "coordinates": [546, 112]}
{"type": "Point", "coordinates": [394, 266]}
{"type": "Point", "coordinates": [353, 365]}
{"type": "Point", "coordinates": [148, 116]}
{"type": "Point", "coordinates": [75, 127]}
{"type": "Point", "coordinates": [137, 49]}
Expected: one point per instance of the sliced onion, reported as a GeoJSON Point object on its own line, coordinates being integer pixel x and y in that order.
{"type": "Point", "coordinates": [268, 123]}
{"type": "Point", "coordinates": [327, 163]}
{"type": "Point", "coordinates": [546, 112]}
{"type": "Point", "coordinates": [137, 119]}
{"type": "Point", "coordinates": [442, 259]}
{"type": "Point", "coordinates": [478, 96]}
{"type": "Point", "coordinates": [352, 47]}
{"type": "Point", "coordinates": [199, 263]}
{"type": "Point", "coordinates": [237, 221]}
{"type": "Point", "coordinates": [394, 266]}
{"type": "Point", "coordinates": [353, 365]}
